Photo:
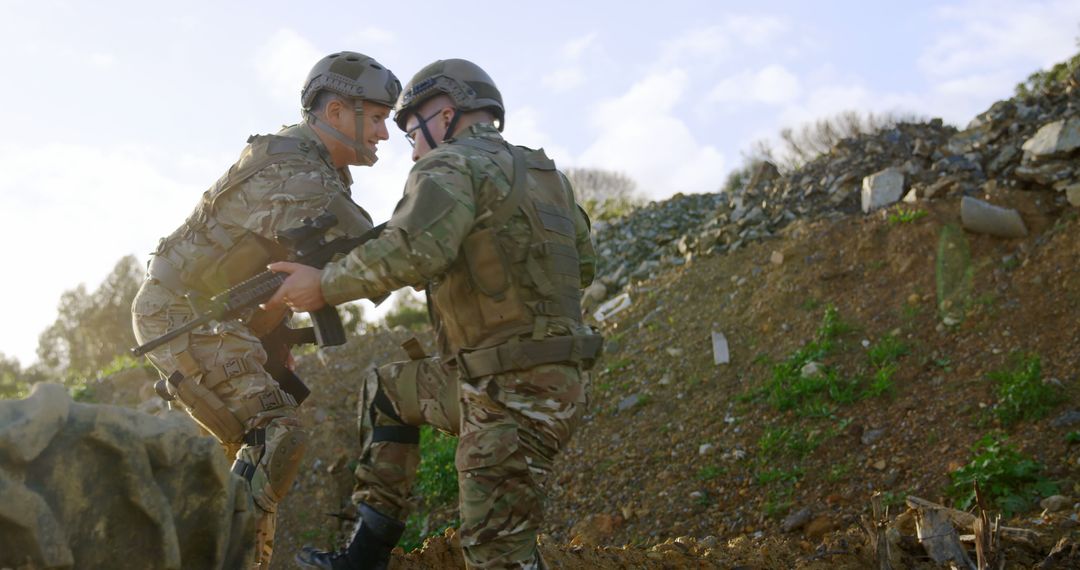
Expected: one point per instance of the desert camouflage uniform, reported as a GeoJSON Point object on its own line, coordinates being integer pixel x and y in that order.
{"type": "Point", "coordinates": [511, 424]}
{"type": "Point", "coordinates": [226, 362]}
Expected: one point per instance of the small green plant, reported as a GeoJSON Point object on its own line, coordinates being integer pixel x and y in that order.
{"type": "Point", "coordinates": [710, 472]}
{"type": "Point", "coordinates": [1007, 478]}
{"type": "Point", "coordinates": [436, 478]}
{"type": "Point", "coordinates": [617, 365]}
{"type": "Point", "coordinates": [838, 472]}
{"type": "Point", "coordinates": [418, 529]}
{"type": "Point", "coordinates": [887, 351]}
{"type": "Point", "coordinates": [810, 304]}
{"type": "Point", "coordinates": [793, 441]}
{"type": "Point", "coordinates": [787, 476]}
{"type": "Point", "coordinates": [882, 382]}
{"type": "Point", "coordinates": [779, 502]}
{"type": "Point", "coordinates": [1021, 393]}
{"type": "Point", "coordinates": [1072, 437]}
{"type": "Point", "coordinates": [905, 216]}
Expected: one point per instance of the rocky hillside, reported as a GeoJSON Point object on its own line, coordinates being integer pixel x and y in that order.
{"type": "Point", "coordinates": [892, 320]}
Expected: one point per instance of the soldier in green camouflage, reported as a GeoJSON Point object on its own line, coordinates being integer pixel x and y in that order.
{"type": "Point", "coordinates": [491, 231]}
{"type": "Point", "coordinates": [227, 375]}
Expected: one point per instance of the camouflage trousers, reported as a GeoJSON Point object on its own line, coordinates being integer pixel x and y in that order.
{"type": "Point", "coordinates": [228, 392]}
{"type": "Point", "coordinates": [510, 428]}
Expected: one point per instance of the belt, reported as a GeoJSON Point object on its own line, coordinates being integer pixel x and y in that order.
{"type": "Point", "coordinates": [579, 350]}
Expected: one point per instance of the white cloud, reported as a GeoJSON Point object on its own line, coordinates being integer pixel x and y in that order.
{"type": "Point", "coordinates": [991, 34]}
{"type": "Point", "coordinates": [773, 84]}
{"type": "Point", "coordinates": [572, 74]}
{"type": "Point", "coordinates": [74, 223]}
{"type": "Point", "coordinates": [370, 37]}
{"type": "Point", "coordinates": [524, 127]}
{"type": "Point", "coordinates": [639, 134]}
{"type": "Point", "coordinates": [721, 41]}
{"type": "Point", "coordinates": [564, 79]}
{"type": "Point", "coordinates": [575, 48]}
{"type": "Point", "coordinates": [284, 61]}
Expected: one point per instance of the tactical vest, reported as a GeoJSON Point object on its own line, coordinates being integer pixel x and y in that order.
{"type": "Point", "coordinates": [511, 278]}
{"type": "Point", "coordinates": [204, 256]}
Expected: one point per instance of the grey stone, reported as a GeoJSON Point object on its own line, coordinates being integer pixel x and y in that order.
{"type": "Point", "coordinates": [1067, 419]}
{"type": "Point", "coordinates": [1054, 139]}
{"type": "Point", "coordinates": [1056, 503]}
{"type": "Point", "coordinates": [871, 436]}
{"type": "Point", "coordinates": [882, 189]}
{"type": "Point", "coordinates": [983, 217]}
{"type": "Point", "coordinates": [797, 520]}
{"type": "Point", "coordinates": [628, 402]}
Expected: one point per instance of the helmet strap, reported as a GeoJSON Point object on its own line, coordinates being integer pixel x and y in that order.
{"type": "Point", "coordinates": [423, 129]}
{"type": "Point", "coordinates": [364, 156]}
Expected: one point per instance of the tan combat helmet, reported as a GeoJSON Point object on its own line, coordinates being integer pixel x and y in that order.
{"type": "Point", "coordinates": [469, 86]}
{"type": "Point", "coordinates": [356, 77]}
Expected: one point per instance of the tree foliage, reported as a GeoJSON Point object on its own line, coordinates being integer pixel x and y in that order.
{"type": "Point", "coordinates": [91, 329]}
{"type": "Point", "coordinates": [603, 193]}
{"type": "Point", "coordinates": [408, 311]}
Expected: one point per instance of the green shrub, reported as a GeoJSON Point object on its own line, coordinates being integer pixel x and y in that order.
{"type": "Point", "coordinates": [906, 216]}
{"type": "Point", "coordinates": [1008, 479]}
{"type": "Point", "coordinates": [1021, 393]}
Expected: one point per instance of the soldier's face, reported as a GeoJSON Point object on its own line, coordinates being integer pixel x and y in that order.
{"type": "Point", "coordinates": [375, 116]}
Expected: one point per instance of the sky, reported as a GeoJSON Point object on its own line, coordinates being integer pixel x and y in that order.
{"type": "Point", "coordinates": [120, 114]}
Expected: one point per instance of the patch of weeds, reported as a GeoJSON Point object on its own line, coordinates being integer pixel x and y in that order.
{"type": "Point", "coordinates": [882, 382]}
{"type": "Point", "coordinates": [1021, 393]}
{"type": "Point", "coordinates": [838, 472]}
{"type": "Point", "coordinates": [703, 500]}
{"type": "Point", "coordinates": [906, 216]}
{"type": "Point", "coordinates": [876, 265]}
{"type": "Point", "coordinates": [436, 478]}
{"type": "Point", "coordinates": [789, 389]}
{"type": "Point", "coordinates": [910, 312]}
{"type": "Point", "coordinates": [762, 358]}
{"type": "Point", "coordinates": [779, 502]}
{"type": "Point", "coordinates": [894, 498]}
{"type": "Point", "coordinates": [1008, 479]}
{"type": "Point", "coordinates": [617, 365]}
{"type": "Point", "coordinates": [793, 441]}
{"type": "Point", "coordinates": [643, 401]}
{"type": "Point", "coordinates": [1072, 437]}
{"type": "Point", "coordinates": [787, 476]}
{"type": "Point", "coordinates": [887, 351]}
{"type": "Point", "coordinates": [944, 363]}
{"type": "Point", "coordinates": [810, 304]}
{"type": "Point", "coordinates": [710, 472]}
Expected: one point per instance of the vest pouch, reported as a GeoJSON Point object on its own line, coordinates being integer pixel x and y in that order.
{"type": "Point", "coordinates": [499, 302]}
{"type": "Point", "coordinates": [247, 257]}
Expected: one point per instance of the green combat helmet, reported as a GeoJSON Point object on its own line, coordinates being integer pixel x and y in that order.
{"type": "Point", "coordinates": [356, 77]}
{"type": "Point", "coordinates": [470, 88]}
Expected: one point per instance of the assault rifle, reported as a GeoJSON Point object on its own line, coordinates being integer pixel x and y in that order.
{"type": "Point", "coordinates": [306, 244]}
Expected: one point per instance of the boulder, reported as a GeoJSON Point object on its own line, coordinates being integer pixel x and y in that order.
{"type": "Point", "coordinates": [882, 189]}
{"type": "Point", "coordinates": [985, 218]}
{"type": "Point", "coordinates": [1054, 139]}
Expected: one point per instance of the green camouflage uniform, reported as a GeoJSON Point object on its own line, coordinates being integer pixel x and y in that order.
{"type": "Point", "coordinates": [277, 182]}
{"type": "Point", "coordinates": [511, 424]}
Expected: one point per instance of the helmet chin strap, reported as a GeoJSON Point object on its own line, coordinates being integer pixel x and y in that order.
{"type": "Point", "coordinates": [427, 134]}
{"type": "Point", "coordinates": [364, 155]}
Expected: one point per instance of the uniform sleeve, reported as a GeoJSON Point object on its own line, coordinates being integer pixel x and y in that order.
{"type": "Point", "coordinates": [421, 239]}
{"type": "Point", "coordinates": [583, 236]}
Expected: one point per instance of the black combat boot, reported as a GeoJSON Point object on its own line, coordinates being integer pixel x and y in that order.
{"type": "Point", "coordinates": [369, 548]}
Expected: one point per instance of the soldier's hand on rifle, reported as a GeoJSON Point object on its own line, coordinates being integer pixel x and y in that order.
{"type": "Point", "coordinates": [302, 289]}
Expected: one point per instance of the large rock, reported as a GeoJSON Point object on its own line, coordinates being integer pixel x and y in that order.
{"type": "Point", "coordinates": [882, 189]}
{"type": "Point", "coordinates": [1054, 139]}
{"type": "Point", "coordinates": [985, 218]}
{"type": "Point", "coordinates": [93, 486]}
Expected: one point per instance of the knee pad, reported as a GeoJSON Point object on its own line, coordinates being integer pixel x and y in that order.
{"type": "Point", "coordinates": [271, 465]}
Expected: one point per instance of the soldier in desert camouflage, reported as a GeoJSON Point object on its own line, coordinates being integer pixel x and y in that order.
{"type": "Point", "coordinates": [221, 374]}
{"type": "Point", "coordinates": [492, 232]}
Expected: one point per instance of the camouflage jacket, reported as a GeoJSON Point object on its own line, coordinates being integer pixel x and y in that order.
{"type": "Point", "coordinates": [232, 214]}
{"type": "Point", "coordinates": [449, 191]}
